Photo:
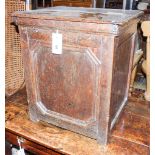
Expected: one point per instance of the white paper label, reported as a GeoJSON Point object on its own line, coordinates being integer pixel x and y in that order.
{"type": "Point", "coordinates": [56, 43]}
{"type": "Point", "coordinates": [17, 152]}
{"type": "Point", "coordinates": [21, 152]}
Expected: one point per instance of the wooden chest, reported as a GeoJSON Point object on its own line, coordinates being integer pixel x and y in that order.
{"type": "Point", "coordinates": [84, 87]}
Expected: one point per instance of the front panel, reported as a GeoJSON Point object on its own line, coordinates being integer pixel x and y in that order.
{"type": "Point", "coordinates": [66, 85]}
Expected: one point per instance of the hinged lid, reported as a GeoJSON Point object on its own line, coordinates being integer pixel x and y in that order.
{"type": "Point", "coordinates": [90, 15]}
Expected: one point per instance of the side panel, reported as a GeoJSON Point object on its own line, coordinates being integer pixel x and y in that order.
{"type": "Point", "coordinates": [122, 64]}
{"type": "Point", "coordinates": [115, 77]}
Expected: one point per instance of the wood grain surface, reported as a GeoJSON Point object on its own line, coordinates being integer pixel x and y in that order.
{"type": "Point", "coordinates": [130, 136]}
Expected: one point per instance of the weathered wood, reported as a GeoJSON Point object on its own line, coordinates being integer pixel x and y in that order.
{"type": "Point", "coordinates": [85, 88]}
{"type": "Point", "coordinates": [130, 135]}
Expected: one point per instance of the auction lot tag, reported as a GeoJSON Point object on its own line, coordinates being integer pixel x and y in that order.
{"type": "Point", "coordinates": [21, 152]}
{"type": "Point", "coordinates": [57, 43]}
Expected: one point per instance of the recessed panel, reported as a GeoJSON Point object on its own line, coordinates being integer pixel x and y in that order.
{"type": "Point", "coordinates": [67, 83]}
